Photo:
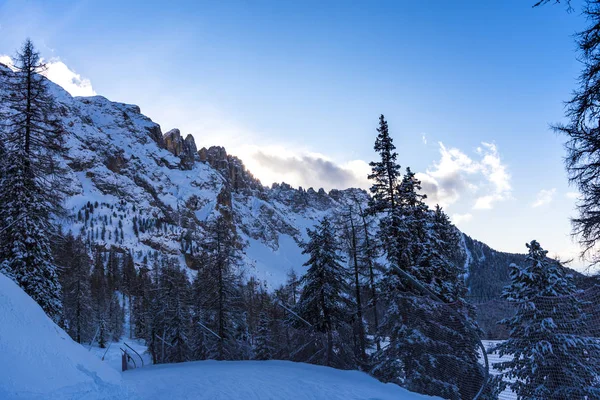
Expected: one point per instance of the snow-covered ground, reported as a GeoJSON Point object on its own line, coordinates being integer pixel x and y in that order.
{"type": "Point", "coordinates": [254, 380]}
{"type": "Point", "coordinates": [494, 359]}
{"type": "Point", "coordinates": [38, 360]}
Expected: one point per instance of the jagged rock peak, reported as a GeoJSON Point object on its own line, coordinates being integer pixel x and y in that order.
{"type": "Point", "coordinates": [185, 149]}
{"type": "Point", "coordinates": [231, 167]}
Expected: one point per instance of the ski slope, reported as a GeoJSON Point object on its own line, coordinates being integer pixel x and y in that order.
{"type": "Point", "coordinates": [38, 360]}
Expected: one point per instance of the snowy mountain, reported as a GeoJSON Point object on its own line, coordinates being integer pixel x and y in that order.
{"type": "Point", "coordinates": [133, 188]}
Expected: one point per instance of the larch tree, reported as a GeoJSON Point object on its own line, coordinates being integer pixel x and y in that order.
{"type": "Point", "coordinates": [75, 267]}
{"type": "Point", "coordinates": [29, 194]}
{"type": "Point", "coordinates": [582, 131]}
{"type": "Point", "coordinates": [220, 292]}
{"type": "Point", "coordinates": [100, 298]}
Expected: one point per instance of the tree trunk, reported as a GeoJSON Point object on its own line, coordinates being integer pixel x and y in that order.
{"type": "Point", "coordinates": [371, 277]}
{"type": "Point", "coordinates": [361, 327]}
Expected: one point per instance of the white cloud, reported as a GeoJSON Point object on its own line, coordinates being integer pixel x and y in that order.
{"type": "Point", "coordinates": [485, 202]}
{"type": "Point", "coordinates": [71, 81]}
{"type": "Point", "coordinates": [572, 195]}
{"type": "Point", "coordinates": [456, 174]}
{"type": "Point", "coordinates": [544, 197]}
{"type": "Point", "coordinates": [459, 219]}
{"type": "Point", "coordinates": [424, 138]}
{"type": "Point", "coordinates": [302, 168]}
{"type": "Point", "coordinates": [6, 60]}
{"type": "Point", "coordinates": [59, 73]}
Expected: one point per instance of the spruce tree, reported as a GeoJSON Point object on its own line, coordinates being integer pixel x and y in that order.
{"type": "Point", "coordinates": [385, 172]}
{"type": "Point", "coordinates": [323, 302]}
{"type": "Point", "coordinates": [29, 194]}
{"type": "Point", "coordinates": [432, 333]}
{"type": "Point", "coordinates": [551, 356]}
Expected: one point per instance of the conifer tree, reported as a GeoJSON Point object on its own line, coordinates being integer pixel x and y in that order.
{"type": "Point", "coordinates": [323, 302]}
{"type": "Point", "coordinates": [220, 294]}
{"type": "Point", "coordinates": [74, 266]}
{"type": "Point", "coordinates": [129, 275]}
{"type": "Point", "coordinates": [29, 190]}
{"type": "Point", "coordinates": [99, 293]}
{"type": "Point", "coordinates": [433, 349]}
{"type": "Point", "coordinates": [263, 349]}
{"type": "Point", "coordinates": [142, 303]}
{"type": "Point", "coordinates": [174, 312]}
{"type": "Point", "coordinates": [115, 317]}
{"type": "Point", "coordinates": [385, 172]}
{"type": "Point", "coordinates": [199, 310]}
{"type": "Point", "coordinates": [551, 357]}
{"type": "Point", "coordinates": [113, 271]}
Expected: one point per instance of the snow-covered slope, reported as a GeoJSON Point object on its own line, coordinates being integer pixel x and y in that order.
{"type": "Point", "coordinates": [259, 380]}
{"type": "Point", "coordinates": [38, 360]}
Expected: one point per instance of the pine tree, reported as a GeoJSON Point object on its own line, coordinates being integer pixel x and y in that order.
{"type": "Point", "coordinates": [323, 302]}
{"type": "Point", "coordinates": [385, 172]}
{"type": "Point", "coordinates": [29, 194]}
{"type": "Point", "coordinates": [433, 345]}
{"type": "Point", "coordinates": [551, 356]}
{"type": "Point", "coordinates": [75, 265]}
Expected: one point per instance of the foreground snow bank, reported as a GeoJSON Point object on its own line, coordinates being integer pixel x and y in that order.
{"type": "Point", "coordinates": [38, 360]}
{"type": "Point", "coordinates": [258, 380]}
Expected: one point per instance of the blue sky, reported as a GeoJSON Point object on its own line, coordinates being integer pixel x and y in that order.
{"type": "Point", "coordinates": [295, 89]}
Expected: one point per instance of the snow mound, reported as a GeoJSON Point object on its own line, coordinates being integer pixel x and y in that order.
{"type": "Point", "coordinates": [38, 360]}
{"type": "Point", "coordinates": [258, 380]}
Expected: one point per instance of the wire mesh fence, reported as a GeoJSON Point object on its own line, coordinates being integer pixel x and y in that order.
{"type": "Point", "coordinates": [440, 350]}
{"type": "Point", "coordinates": [552, 351]}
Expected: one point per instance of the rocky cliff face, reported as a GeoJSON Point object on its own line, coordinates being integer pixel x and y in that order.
{"type": "Point", "coordinates": [185, 149]}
